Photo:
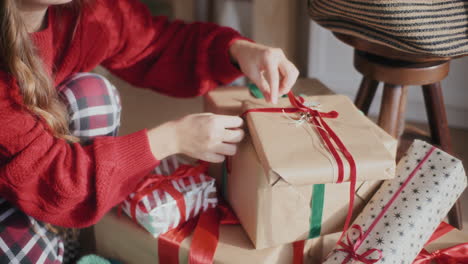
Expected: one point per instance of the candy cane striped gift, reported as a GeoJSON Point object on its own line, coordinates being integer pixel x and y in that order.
{"type": "Point", "coordinates": [159, 211]}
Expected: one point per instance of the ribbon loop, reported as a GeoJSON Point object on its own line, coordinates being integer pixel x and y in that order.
{"type": "Point", "coordinates": [351, 249]}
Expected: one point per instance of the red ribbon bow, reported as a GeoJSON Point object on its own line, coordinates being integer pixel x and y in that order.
{"type": "Point", "coordinates": [328, 135]}
{"type": "Point", "coordinates": [452, 255]}
{"type": "Point", "coordinates": [351, 249]}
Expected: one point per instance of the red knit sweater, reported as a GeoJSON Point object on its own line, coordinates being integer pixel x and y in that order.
{"type": "Point", "coordinates": [72, 185]}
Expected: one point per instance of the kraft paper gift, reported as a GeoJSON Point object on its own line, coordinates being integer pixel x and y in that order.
{"type": "Point", "coordinates": [275, 214]}
{"type": "Point", "coordinates": [404, 213]}
{"type": "Point", "coordinates": [446, 246]}
{"type": "Point", "coordinates": [453, 238]}
{"type": "Point", "coordinates": [248, 187]}
{"type": "Point", "coordinates": [294, 152]}
{"type": "Point", "coordinates": [323, 246]}
{"type": "Point", "coordinates": [123, 240]}
{"type": "Point", "coordinates": [158, 210]}
{"type": "Point", "coordinates": [229, 101]}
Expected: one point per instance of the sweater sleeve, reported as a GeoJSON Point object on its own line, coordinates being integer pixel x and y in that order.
{"type": "Point", "coordinates": [173, 58]}
{"type": "Point", "coordinates": [60, 183]}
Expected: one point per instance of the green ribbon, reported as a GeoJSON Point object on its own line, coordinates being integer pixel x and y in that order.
{"type": "Point", "coordinates": [224, 175]}
{"type": "Point", "coordinates": [256, 92]}
{"type": "Point", "coordinates": [316, 208]}
{"type": "Point", "coordinates": [318, 190]}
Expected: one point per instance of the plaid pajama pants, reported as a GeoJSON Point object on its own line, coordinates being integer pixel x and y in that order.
{"type": "Point", "coordinates": [94, 107]}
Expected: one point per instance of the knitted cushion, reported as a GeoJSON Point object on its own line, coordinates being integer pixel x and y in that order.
{"type": "Point", "coordinates": [426, 27]}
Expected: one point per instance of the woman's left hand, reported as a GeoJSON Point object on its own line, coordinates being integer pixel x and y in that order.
{"type": "Point", "coordinates": [267, 67]}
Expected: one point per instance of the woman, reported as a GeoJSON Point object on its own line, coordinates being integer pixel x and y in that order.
{"type": "Point", "coordinates": [68, 177]}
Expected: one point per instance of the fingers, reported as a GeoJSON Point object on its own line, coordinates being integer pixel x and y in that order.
{"type": "Point", "coordinates": [272, 77]}
{"type": "Point", "coordinates": [259, 79]}
{"type": "Point", "coordinates": [226, 149]}
{"type": "Point", "coordinates": [230, 121]}
{"type": "Point", "coordinates": [233, 135]}
{"type": "Point", "coordinates": [213, 157]}
{"type": "Point", "coordinates": [289, 74]}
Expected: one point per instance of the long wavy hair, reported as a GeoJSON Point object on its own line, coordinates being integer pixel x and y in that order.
{"type": "Point", "coordinates": [19, 59]}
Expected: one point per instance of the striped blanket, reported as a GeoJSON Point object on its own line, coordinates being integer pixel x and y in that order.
{"type": "Point", "coordinates": [426, 27]}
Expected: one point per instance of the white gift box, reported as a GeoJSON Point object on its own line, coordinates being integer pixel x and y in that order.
{"type": "Point", "coordinates": [405, 211]}
{"type": "Point", "coordinates": [158, 212]}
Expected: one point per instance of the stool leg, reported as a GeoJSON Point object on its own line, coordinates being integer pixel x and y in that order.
{"type": "Point", "coordinates": [366, 94]}
{"type": "Point", "coordinates": [402, 111]}
{"type": "Point", "coordinates": [455, 215]}
{"type": "Point", "coordinates": [436, 115]}
{"type": "Point", "coordinates": [440, 134]}
{"type": "Point", "coordinates": [393, 102]}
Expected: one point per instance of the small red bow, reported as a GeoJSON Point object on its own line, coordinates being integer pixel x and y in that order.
{"type": "Point", "coordinates": [351, 249]}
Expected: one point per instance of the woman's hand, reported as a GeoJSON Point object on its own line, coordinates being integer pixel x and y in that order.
{"type": "Point", "coordinates": [267, 67]}
{"type": "Point", "coordinates": [205, 136]}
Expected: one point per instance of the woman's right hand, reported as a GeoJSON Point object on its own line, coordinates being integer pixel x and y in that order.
{"type": "Point", "coordinates": [206, 136]}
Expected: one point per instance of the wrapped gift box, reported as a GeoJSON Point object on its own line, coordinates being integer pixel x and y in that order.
{"type": "Point", "coordinates": [294, 152]}
{"type": "Point", "coordinates": [282, 213]}
{"type": "Point", "coordinates": [122, 239]}
{"type": "Point", "coordinates": [323, 246]}
{"type": "Point", "coordinates": [229, 101]}
{"type": "Point", "coordinates": [158, 211]}
{"type": "Point", "coordinates": [405, 211]}
{"type": "Point", "coordinates": [264, 197]}
{"type": "Point", "coordinates": [453, 238]}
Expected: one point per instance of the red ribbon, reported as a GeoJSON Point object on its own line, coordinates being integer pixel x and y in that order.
{"type": "Point", "coordinates": [169, 242]}
{"type": "Point", "coordinates": [298, 252]}
{"type": "Point", "coordinates": [328, 135]}
{"type": "Point", "coordinates": [351, 249]}
{"type": "Point", "coordinates": [205, 236]}
{"type": "Point", "coordinates": [452, 255]}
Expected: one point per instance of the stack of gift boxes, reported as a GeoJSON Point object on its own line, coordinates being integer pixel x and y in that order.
{"type": "Point", "coordinates": [313, 181]}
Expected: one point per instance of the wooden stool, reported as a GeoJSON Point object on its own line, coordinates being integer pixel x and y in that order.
{"type": "Point", "coordinates": [397, 71]}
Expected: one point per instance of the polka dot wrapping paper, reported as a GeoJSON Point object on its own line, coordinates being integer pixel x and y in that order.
{"type": "Point", "coordinates": [403, 214]}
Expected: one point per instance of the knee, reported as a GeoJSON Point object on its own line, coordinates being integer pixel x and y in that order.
{"type": "Point", "coordinates": [93, 104]}
{"type": "Point", "coordinates": [95, 88]}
